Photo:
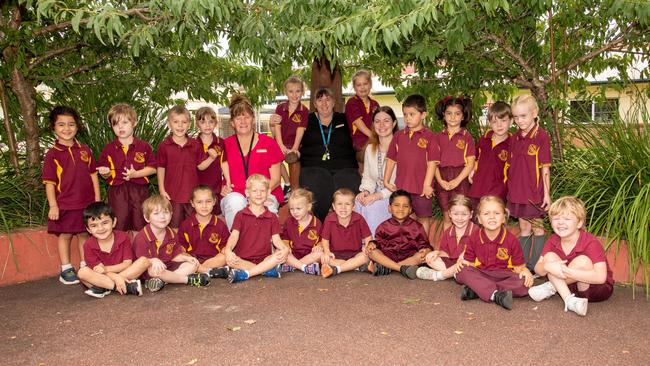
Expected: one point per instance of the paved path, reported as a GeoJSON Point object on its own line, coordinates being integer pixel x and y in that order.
{"type": "Point", "coordinates": [351, 319]}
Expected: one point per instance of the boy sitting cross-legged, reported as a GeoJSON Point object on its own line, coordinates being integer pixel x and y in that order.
{"type": "Point", "coordinates": [109, 257]}
{"type": "Point", "coordinates": [255, 231]}
{"type": "Point", "coordinates": [400, 242]}
{"type": "Point", "coordinates": [159, 243]}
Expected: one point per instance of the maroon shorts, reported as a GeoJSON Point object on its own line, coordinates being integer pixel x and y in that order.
{"type": "Point", "coordinates": [594, 293]}
{"type": "Point", "coordinates": [345, 254]}
{"type": "Point", "coordinates": [449, 173]}
{"type": "Point", "coordinates": [449, 262]}
{"type": "Point", "coordinates": [126, 201]}
{"type": "Point", "coordinates": [255, 260]}
{"type": "Point", "coordinates": [171, 266]}
{"type": "Point", "coordinates": [299, 254]}
{"type": "Point", "coordinates": [201, 258]}
{"type": "Point", "coordinates": [422, 206]}
{"type": "Point", "coordinates": [180, 211]}
{"type": "Point", "coordinates": [525, 211]}
{"type": "Point", "coordinates": [69, 222]}
{"type": "Point", "coordinates": [398, 256]}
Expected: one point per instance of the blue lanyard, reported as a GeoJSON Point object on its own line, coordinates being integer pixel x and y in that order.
{"type": "Point", "coordinates": [322, 134]}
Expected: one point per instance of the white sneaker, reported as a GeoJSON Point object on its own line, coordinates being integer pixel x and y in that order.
{"type": "Point", "coordinates": [576, 304]}
{"type": "Point", "coordinates": [542, 292]}
{"type": "Point", "coordinates": [425, 273]}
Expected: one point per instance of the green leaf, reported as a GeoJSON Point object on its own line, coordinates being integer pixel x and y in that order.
{"type": "Point", "coordinates": [76, 20]}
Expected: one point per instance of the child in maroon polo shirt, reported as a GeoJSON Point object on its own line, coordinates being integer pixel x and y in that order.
{"type": "Point", "coordinates": [204, 235]}
{"type": "Point", "coordinates": [358, 112]}
{"type": "Point", "coordinates": [415, 152]}
{"type": "Point", "coordinates": [289, 123]}
{"type": "Point", "coordinates": [126, 163]}
{"type": "Point", "coordinates": [255, 231]}
{"type": "Point", "coordinates": [212, 176]}
{"type": "Point", "coordinates": [494, 267]}
{"type": "Point", "coordinates": [179, 156]}
{"type": "Point", "coordinates": [457, 151]}
{"type": "Point", "coordinates": [159, 243]}
{"type": "Point", "coordinates": [488, 176]}
{"type": "Point", "coordinates": [109, 256]}
{"type": "Point", "coordinates": [573, 260]}
{"type": "Point", "coordinates": [400, 242]}
{"type": "Point", "coordinates": [448, 260]}
{"type": "Point", "coordinates": [345, 237]}
{"type": "Point", "coordinates": [71, 184]}
{"type": "Point", "coordinates": [528, 177]}
{"type": "Point", "coordinates": [301, 232]}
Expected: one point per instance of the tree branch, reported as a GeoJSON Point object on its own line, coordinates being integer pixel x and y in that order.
{"type": "Point", "coordinates": [512, 53]}
{"type": "Point", "coordinates": [139, 12]}
{"type": "Point", "coordinates": [76, 70]}
{"type": "Point", "coordinates": [609, 46]}
{"type": "Point", "coordinates": [54, 53]}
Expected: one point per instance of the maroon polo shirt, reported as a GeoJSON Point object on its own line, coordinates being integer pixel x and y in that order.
{"type": "Point", "coordinates": [502, 253]}
{"type": "Point", "coordinates": [490, 168]}
{"type": "Point", "coordinates": [355, 108]}
{"type": "Point", "coordinates": [180, 164]}
{"type": "Point", "coordinates": [212, 176]}
{"type": "Point", "coordinates": [394, 237]}
{"type": "Point", "coordinates": [301, 240]}
{"type": "Point", "coordinates": [411, 151]}
{"type": "Point", "coordinates": [453, 246]}
{"type": "Point", "coordinates": [255, 234]}
{"type": "Point", "coordinates": [120, 251]}
{"type": "Point", "coordinates": [342, 238]}
{"type": "Point", "coordinates": [455, 149]}
{"type": "Point", "coordinates": [116, 157]}
{"type": "Point", "coordinates": [70, 169]}
{"type": "Point", "coordinates": [202, 241]}
{"type": "Point", "coordinates": [528, 154]}
{"type": "Point", "coordinates": [291, 122]}
{"type": "Point", "coordinates": [587, 245]}
{"type": "Point", "coordinates": [145, 244]}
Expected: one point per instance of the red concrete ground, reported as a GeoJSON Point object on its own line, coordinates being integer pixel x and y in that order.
{"type": "Point", "coordinates": [352, 319]}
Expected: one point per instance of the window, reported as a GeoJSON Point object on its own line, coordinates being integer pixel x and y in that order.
{"type": "Point", "coordinates": [585, 111]}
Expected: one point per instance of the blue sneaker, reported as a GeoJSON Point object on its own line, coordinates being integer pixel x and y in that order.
{"type": "Point", "coordinates": [237, 275]}
{"type": "Point", "coordinates": [273, 272]}
{"type": "Point", "coordinates": [68, 277]}
{"type": "Point", "coordinates": [312, 269]}
{"type": "Point", "coordinates": [286, 268]}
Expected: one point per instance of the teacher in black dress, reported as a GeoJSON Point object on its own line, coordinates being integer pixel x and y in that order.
{"type": "Point", "coordinates": [326, 155]}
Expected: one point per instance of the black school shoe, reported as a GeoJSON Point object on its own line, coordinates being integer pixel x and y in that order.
{"type": "Point", "coordinates": [97, 292]}
{"type": "Point", "coordinates": [134, 288]}
{"type": "Point", "coordinates": [219, 272]}
{"type": "Point", "coordinates": [467, 293]}
{"type": "Point", "coordinates": [198, 280]}
{"type": "Point", "coordinates": [503, 299]}
{"type": "Point", "coordinates": [409, 272]}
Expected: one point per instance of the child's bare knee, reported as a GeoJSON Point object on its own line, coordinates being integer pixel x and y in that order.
{"type": "Point", "coordinates": [581, 262]}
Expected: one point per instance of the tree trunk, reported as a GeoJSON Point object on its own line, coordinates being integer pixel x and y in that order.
{"type": "Point", "coordinates": [11, 137]}
{"type": "Point", "coordinates": [541, 94]}
{"type": "Point", "coordinates": [26, 94]}
{"type": "Point", "coordinates": [322, 76]}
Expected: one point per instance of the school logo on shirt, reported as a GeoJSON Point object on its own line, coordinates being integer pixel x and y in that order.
{"type": "Point", "coordinates": [503, 155]}
{"type": "Point", "coordinates": [83, 154]}
{"type": "Point", "coordinates": [312, 235]}
{"type": "Point", "coordinates": [169, 248]}
{"type": "Point", "coordinates": [214, 238]}
{"type": "Point", "coordinates": [422, 143]}
{"type": "Point", "coordinates": [460, 144]}
{"type": "Point", "coordinates": [532, 149]}
{"type": "Point", "coordinates": [138, 157]}
{"type": "Point", "coordinates": [295, 118]}
{"type": "Point", "coordinates": [502, 253]}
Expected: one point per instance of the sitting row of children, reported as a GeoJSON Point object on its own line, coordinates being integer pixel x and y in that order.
{"type": "Point", "coordinates": [487, 260]}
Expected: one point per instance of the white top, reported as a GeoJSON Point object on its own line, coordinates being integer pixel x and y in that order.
{"type": "Point", "coordinates": [370, 181]}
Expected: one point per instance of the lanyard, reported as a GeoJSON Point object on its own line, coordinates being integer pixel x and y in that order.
{"type": "Point", "coordinates": [247, 159]}
{"type": "Point", "coordinates": [322, 135]}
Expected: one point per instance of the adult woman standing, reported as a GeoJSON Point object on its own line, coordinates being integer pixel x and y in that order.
{"type": "Point", "coordinates": [372, 200]}
{"type": "Point", "coordinates": [326, 154]}
{"type": "Point", "coordinates": [248, 153]}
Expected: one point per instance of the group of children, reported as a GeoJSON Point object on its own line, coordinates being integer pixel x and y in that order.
{"type": "Point", "coordinates": [179, 237]}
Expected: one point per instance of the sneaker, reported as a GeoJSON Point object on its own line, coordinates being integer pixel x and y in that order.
{"type": "Point", "coordinates": [198, 280]}
{"type": "Point", "coordinates": [426, 273]}
{"type": "Point", "coordinates": [312, 269]}
{"type": "Point", "coordinates": [286, 268]}
{"type": "Point", "coordinates": [273, 272]}
{"type": "Point", "coordinates": [68, 277]}
{"type": "Point", "coordinates": [237, 275]}
{"type": "Point", "coordinates": [380, 270]}
{"type": "Point", "coordinates": [576, 304]}
{"type": "Point", "coordinates": [467, 293]}
{"type": "Point", "coordinates": [97, 292]}
{"type": "Point", "coordinates": [134, 288]}
{"type": "Point", "coordinates": [542, 292]}
{"type": "Point", "coordinates": [366, 267]}
{"type": "Point", "coordinates": [409, 271]}
{"type": "Point", "coordinates": [328, 271]}
{"type": "Point", "coordinates": [503, 299]}
{"type": "Point", "coordinates": [154, 284]}
{"type": "Point", "coordinates": [219, 272]}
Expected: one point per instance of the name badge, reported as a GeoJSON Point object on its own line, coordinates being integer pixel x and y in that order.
{"type": "Point", "coordinates": [339, 126]}
{"type": "Point", "coordinates": [261, 150]}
